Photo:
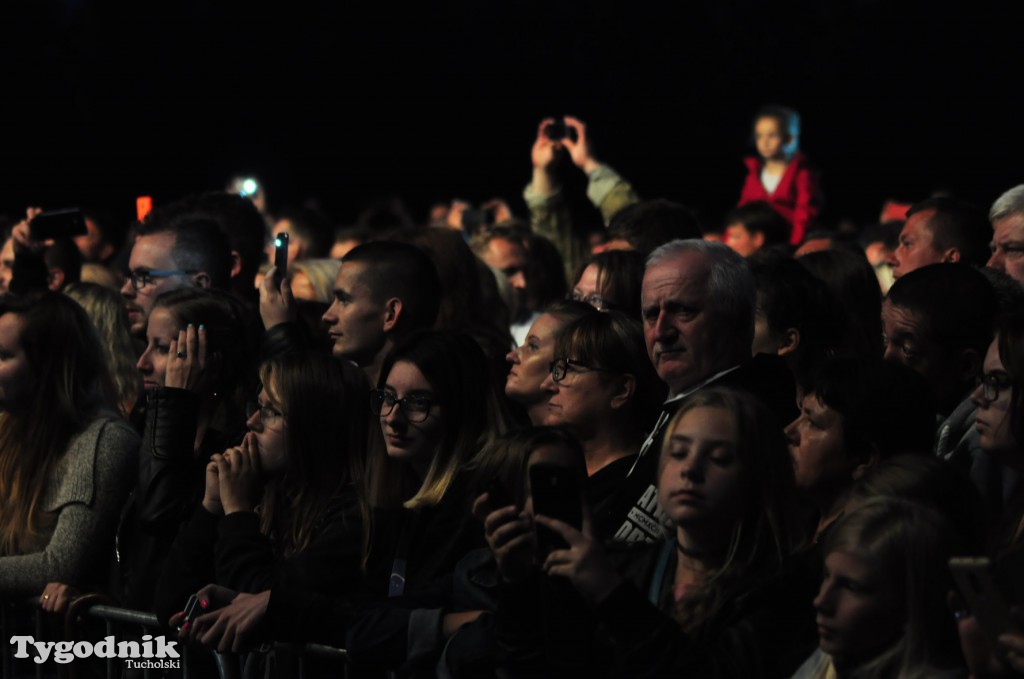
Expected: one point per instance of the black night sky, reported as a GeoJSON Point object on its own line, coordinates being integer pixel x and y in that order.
{"type": "Point", "coordinates": [345, 102]}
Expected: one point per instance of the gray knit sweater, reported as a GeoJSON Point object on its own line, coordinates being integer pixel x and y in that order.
{"type": "Point", "coordinates": [86, 492]}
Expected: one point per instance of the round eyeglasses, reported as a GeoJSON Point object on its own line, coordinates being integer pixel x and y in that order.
{"type": "Point", "coordinates": [415, 407]}
{"type": "Point", "coordinates": [559, 367]}
{"type": "Point", "coordinates": [269, 415]}
{"type": "Point", "coordinates": [991, 385]}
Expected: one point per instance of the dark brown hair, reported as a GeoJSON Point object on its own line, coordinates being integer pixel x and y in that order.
{"type": "Point", "coordinates": [615, 344]}
{"type": "Point", "coordinates": [620, 276]}
{"type": "Point", "coordinates": [324, 402]}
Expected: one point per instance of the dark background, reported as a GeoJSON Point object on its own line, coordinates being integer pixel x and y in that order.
{"type": "Point", "coordinates": [344, 102]}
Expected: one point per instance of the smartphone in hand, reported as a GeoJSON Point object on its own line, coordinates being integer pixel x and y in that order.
{"type": "Point", "coordinates": [192, 609]}
{"type": "Point", "coordinates": [281, 255]}
{"type": "Point", "coordinates": [66, 223]}
{"type": "Point", "coordinates": [555, 490]}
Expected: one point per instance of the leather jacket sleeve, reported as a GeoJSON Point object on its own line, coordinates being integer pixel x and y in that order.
{"type": "Point", "coordinates": [166, 459]}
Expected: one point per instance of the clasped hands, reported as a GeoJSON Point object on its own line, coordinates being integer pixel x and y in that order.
{"type": "Point", "coordinates": [234, 480]}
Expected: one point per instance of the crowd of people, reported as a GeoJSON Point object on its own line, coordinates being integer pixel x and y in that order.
{"type": "Point", "coordinates": [600, 439]}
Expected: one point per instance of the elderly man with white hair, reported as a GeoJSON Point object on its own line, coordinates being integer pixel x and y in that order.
{"type": "Point", "coordinates": [697, 304]}
{"type": "Point", "coordinates": [1007, 217]}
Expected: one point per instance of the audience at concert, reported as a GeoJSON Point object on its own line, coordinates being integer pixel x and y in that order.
{"type": "Point", "coordinates": [615, 391]}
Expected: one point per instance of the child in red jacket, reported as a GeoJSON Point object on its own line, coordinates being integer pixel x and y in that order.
{"type": "Point", "coordinates": [781, 175]}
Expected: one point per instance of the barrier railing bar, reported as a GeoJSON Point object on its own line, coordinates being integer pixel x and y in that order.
{"type": "Point", "coordinates": [38, 620]}
{"type": "Point", "coordinates": [113, 614]}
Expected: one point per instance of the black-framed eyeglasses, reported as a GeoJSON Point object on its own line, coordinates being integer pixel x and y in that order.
{"type": "Point", "coordinates": [141, 279]}
{"type": "Point", "coordinates": [596, 301]}
{"type": "Point", "coordinates": [269, 415]}
{"type": "Point", "coordinates": [415, 407]}
{"type": "Point", "coordinates": [559, 367]}
{"type": "Point", "coordinates": [991, 385]}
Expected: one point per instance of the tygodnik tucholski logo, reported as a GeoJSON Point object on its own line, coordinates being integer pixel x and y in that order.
{"type": "Point", "coordinates": [151, 653]}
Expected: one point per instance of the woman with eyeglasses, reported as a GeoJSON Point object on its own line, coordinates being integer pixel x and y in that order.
{"type": "Point", "coordinates": [1000, 426]}
{"type": "Point", "coordinates": [198, 376]}
{"type": "Point", "coordinates": [281, 511]}
{"type": "Point", "coordinates": [999, 422]}
{"type": "Point", "coordinates": [531, 361]}
{"type": "Point", "coordinates": [603, 389]}
{"type": "Point", "coordinates": [611, 280]}
{"type": "Point", "coordinates": [437, 410]}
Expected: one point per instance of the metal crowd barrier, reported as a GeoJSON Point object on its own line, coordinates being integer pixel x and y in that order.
{"type": "Point", "coordinates": [126, 625]}
{"type": "Point", "coordinates": [7, 626]}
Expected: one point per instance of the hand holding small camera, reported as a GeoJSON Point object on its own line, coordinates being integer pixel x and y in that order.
{"type": "Point", "coordinates": [544, 147]}
{"type": "Point", "coordinates": [579, 147]}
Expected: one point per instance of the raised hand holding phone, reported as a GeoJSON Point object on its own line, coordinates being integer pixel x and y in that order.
{"type": "Point", "coordinates": [277, 305]}
{"type": "Point", "coordinates": [66, 223]}
{"type": "Point", "coordinates": [281, 256]}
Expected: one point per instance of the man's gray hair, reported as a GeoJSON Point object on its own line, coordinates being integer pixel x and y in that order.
{"type": "Point", "coordinates": [731, 286]}
{"type": "Point", "coordinates": [1008, 204]}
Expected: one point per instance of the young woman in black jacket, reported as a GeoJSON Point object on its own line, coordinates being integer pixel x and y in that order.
{"type": "Point", "coordinates": [198, 375]}
{"type": "Point", "coordinates": [283, 509]}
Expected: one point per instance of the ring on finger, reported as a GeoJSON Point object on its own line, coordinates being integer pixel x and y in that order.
{"type": "Point", "coordinates": [181, 354]}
